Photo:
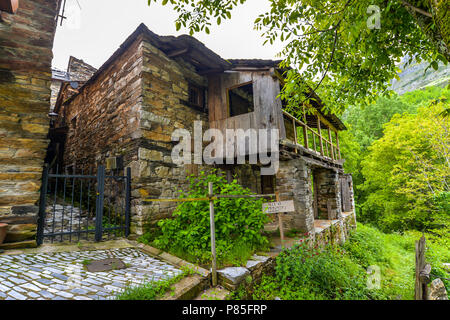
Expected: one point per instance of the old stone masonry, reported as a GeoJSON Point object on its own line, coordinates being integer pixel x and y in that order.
{"type": "Point", "coordinates": [63, 276]}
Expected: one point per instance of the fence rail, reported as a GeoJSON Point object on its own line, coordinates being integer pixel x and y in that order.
{"type": "Point", "coordinates": [326, 146]}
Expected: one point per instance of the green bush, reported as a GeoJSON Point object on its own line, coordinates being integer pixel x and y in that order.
{"type": "Point", "coordinates": [326, 273]}
{"type": "Point", "coordinates": [239, 223]}
{"type": "Point", "coordinates": [339, 272]}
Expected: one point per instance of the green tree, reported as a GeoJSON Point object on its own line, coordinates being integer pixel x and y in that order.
{"type": "Point", "coordinates": [338, 48]}
{"type": "Point", "coordinates": [365, 125]}
{"type": "Point", "coordinates": [367, 121]}
{"type": "Point", "coordinates": [407, 171]}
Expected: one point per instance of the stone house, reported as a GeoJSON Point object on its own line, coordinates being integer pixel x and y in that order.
{"type": "Point", "coordinates": [27, 29]}
{"type": "Point", "coordinates": [153, 85]}
{"type": "Point", "coordinates": [78, 72]}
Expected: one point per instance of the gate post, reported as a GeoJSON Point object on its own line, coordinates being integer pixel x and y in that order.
{"type": "Point", "coordinates": [42, 206]}
{"type": "Point", "coordinates": [99, 203]}
{"type": "Point", "coordinates": [127, 202]}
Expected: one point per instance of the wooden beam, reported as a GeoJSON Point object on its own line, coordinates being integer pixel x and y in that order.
{"type": "Point", "coordinates": [305, 130]}
{"type": "Point", "coordinates": [337, 144]}
{"type": "Point", "coordinates": [331, 143]}
{"type": "Point", "coordinates": [325, 121]}
{"type": "Point", "coordinates": [177, 53]}
{"type": "Point", "coordinates": [295, 133]}
{"type": "Point", "coordinates": [320, 136]}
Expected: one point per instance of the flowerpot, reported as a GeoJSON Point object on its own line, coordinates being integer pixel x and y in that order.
{"type": "Point", "coordinates": [9, 6]}
{"type": "Point", "coordinates": [3, 230]}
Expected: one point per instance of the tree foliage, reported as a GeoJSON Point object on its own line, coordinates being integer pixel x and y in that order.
{"type": "Point", "coordinates": [407, 171]}
{"type": "Point", "coordinates": [365, 126]}
{"type": "Point", "coordinates": [336, 47]}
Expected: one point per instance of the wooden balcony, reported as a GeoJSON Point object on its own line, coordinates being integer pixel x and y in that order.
{"type": "Point", "coordinates": [313, 135]}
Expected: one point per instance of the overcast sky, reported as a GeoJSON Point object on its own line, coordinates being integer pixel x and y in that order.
{"type": "Point", "coordinates": [99, 28]}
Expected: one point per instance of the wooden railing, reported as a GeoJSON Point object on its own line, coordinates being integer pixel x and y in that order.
{"type": "Point", "coordinates": [314, 140]}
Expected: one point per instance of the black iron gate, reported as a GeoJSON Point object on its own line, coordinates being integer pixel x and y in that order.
{"type": "Point", "coordinates": [94, 206]}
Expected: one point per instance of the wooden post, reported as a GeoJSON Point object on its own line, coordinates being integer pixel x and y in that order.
{"type": "Point", "coordinates": [280, 221]}
{"type": "Point", "coordinates": [320, 135]}
{"type": "Point", "coordinates": [305, 136]}
{"type": "Point", "coordinates": [337, 144]}
{"type": "Point", "coordinates": [331, 144]}
{"type": "Point", "coordinates": [295, 134]}
{"type": "Point", "coordinates": [314, 140]}
{"type": "Point", "coordinates": [305, 129]}
{"type": "Point", "coordinates": [422, 271]}
{"type": "Point", "coordinates": [213, 235]}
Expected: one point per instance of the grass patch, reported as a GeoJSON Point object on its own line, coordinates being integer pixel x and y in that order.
{"type": "Point", "coordinates": [340, 272]}
{"type": "Point", "coordinates": [153, 290]}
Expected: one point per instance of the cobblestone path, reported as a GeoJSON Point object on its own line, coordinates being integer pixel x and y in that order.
{"type": "Point", "coordinates": [62, 276]}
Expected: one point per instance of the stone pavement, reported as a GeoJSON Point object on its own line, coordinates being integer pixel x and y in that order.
{"type": "Point", "coordinates": [65, 218]}
{"type": "Point", "coordinates": [62, 275]}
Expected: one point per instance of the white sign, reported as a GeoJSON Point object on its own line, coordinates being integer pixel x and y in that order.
{"type": "Point", "coordinates": [276, 207]}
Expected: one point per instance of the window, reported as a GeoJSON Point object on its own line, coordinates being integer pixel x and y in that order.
{"type": "Point", "coordinates": [240, 99]}
{"type": "Point", "coordinates": [74, 122]}
{"type": "Point", "coordinates": [196, 97]}
{"type": "Point", "coordinates": [267, 184]}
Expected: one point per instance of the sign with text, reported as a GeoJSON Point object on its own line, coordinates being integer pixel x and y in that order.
{"type": "Point", "coordinates": [277, 207]}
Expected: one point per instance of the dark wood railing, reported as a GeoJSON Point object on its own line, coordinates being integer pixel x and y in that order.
{"type": "Point", "coordinates": [315, 140]}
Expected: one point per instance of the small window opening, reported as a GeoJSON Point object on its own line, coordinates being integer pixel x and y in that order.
{"type": "Point", "coordinates": [74, 122]}
{"type": "Point", "coordinates": [240, 100]}
{"type": "Point", "coordinates": [267, 184]}
{"type": "Point", "coordinates": [196, 97]}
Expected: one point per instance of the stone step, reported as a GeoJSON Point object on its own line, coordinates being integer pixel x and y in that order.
{"type": "Point", "coordinates": [217, 293]}
{"type": "Point", "coordinates": [188, 288]}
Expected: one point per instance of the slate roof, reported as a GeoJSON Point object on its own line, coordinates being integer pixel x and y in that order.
{"type": "Point", "coordinates": [60, 75]}
{"type": "Point", "coordinates": [254, 63]}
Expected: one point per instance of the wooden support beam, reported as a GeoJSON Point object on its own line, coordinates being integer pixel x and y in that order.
{"type": "Point", "coordinates": [320, 136]}
{"type": "Point", "coordinates": [305, 130]}
{"type": "Point", "coordinates": [331, 143]}
{"type": "Point", "coordinates": [176, 53]}
{"type": "Point", "coordinates": [305, 137]}
{"type": "Point", "coordinates": [337, 144]}
{"type": "Point", "coordinates": [314, 141]}
{"type": "Point", "coordinates": [295, 133]}
{"type": "Point", "coordinates": [325, 121]}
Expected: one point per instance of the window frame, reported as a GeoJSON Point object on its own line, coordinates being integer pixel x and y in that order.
{"type": "Point", "coordinates": [228, 97]}
{"type": "Point", "coordinates": [201, 94]}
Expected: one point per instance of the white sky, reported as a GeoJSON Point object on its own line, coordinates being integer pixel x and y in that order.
{"type": "Point", "coordinates": [99, 28]}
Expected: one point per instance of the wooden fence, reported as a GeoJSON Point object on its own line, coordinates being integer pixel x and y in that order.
{"type": "Point", "coordinates": [315, 140]}
{"type": "Point", "coordinates": [423, 271]}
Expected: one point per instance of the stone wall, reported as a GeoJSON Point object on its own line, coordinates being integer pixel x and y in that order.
{"type": "Point", "coordinates": [328, 193]}
{"type": "Point", "coordinates": [79, 70]}
{"type": "Point", "coordinates": [164, 109]}
{"type": "Point", "coordinates": [130, 109]}
{"type": "Point", "coordinates": [26, 41]}
{"type": "Point", "coordinates": [335, 231]}
{"type": "Point", "coordinates": [55, 87]}
{"type": "Point", "coordinates": [103, 119]}
{"type": "Point", "coordinates": [293, 182]}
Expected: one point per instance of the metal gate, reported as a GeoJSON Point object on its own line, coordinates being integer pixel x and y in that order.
{"type": "Point", "coordinates": [94, 206]}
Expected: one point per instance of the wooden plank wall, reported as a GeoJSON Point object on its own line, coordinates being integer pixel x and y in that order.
{"type": "Point", "coordinates": [267, 106]}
